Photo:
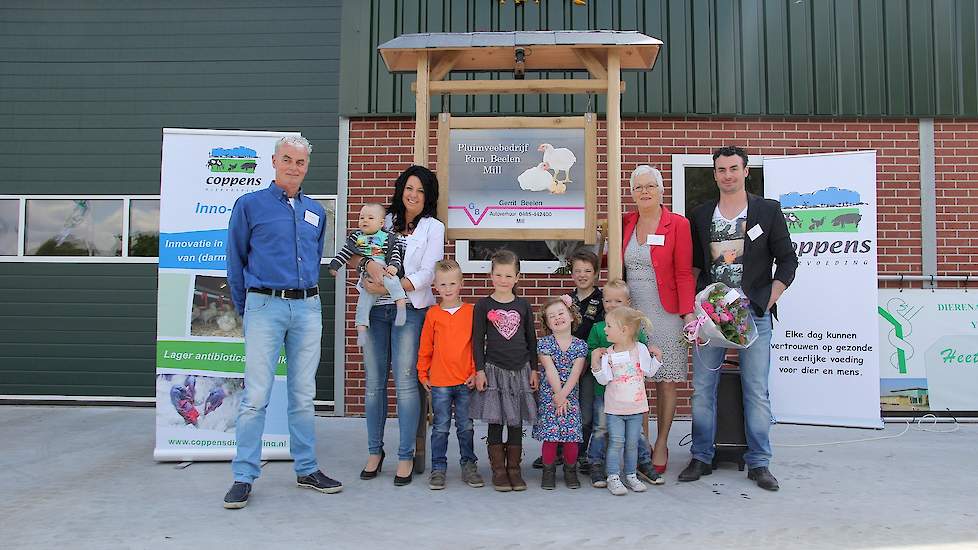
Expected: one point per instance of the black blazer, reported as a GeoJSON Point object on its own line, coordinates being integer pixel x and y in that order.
{"type": "Point", "coordinates": [772, 245]}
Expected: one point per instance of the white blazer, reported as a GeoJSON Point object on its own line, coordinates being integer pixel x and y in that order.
{"type": "Point", "coordinates": [422, 250]}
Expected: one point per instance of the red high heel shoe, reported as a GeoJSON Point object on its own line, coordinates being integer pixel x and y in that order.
{"type": "Point", "coordinates": [661, 468]}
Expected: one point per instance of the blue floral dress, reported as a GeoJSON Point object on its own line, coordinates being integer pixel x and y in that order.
{"type": "Point", "coordinates": [549, 426]}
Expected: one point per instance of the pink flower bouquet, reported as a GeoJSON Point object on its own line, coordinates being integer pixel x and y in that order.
{"type": "Point", "coordinates": [722, 319]}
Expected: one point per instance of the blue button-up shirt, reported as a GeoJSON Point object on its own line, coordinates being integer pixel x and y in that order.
{"type": "Point", "coordinates": [272, 244]}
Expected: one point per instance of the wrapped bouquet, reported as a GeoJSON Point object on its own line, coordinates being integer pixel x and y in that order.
{"type": "Point", "coordinates": [722, 319]}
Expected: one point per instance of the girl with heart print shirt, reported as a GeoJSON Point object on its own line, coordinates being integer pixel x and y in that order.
{"type": "Point", "coordinates": [504, 346]}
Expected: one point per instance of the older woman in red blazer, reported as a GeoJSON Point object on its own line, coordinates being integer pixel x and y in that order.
{"type": "Point", "coordinates": [657, 255]}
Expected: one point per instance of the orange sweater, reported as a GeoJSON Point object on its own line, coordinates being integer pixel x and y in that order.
{"type": "Point", "coordinates": [445, 356]}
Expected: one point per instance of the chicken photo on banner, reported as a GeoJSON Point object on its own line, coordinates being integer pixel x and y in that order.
{"type": "Point", "coordinates": [211, 312]}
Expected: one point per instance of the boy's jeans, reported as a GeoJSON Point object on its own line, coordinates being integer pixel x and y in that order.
{"type": "Point", "coordinates": [755, 364]}
{"type": "Point", "coordinates": [366, 300]}
{"type": "Point", "coordinates": [623, 431]}
{"type": "Point", "coordinates": [599, 437]}
{"type": "Point", "coordinates": [442, 399]}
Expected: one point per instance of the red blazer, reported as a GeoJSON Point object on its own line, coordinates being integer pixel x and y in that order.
{"type": "Point", "coordinates": [672, 262]}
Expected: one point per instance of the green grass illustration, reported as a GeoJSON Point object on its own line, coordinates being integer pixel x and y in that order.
{"type": "Point", "coordinates": [243, 165]}
{"type": "Point", "coordinates": [820, 220]}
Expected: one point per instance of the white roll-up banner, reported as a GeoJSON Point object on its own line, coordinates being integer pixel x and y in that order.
{"type": "Point", "coordinates": [200, 340]}
{"type": "Point", "coordinates": [825, 344]}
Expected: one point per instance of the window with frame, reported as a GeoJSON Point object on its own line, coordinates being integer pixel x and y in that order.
{"type": "Point", "coordinates": [9, 223]}
{"type": "Point", "coordinates": [73, 227]}
{"type": "Point", "coordinates": [693, 183]}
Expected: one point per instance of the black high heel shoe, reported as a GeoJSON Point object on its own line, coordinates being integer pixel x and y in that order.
{"type": "Point", "coordinates": [364, 474]}
{"type": "Point", "coordinates": [400, 481]}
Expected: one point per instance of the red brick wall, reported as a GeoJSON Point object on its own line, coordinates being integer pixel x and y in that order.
{"type": "Point", "coordinates": [956, 167]}
{"type": "Point", "coordinates": [381, 148]}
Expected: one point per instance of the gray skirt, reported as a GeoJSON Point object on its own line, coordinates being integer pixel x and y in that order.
{"type": "Point", "coordinates": [508, 399]}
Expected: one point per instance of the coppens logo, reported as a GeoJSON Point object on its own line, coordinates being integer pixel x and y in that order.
{"type": "Point", "coordinates": [828, 210]}
{"type": "Point", "coordinates": [226, 164]}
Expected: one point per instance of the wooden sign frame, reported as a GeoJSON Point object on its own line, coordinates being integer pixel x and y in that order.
{"type": "Point", "coordinates": [588, 233]}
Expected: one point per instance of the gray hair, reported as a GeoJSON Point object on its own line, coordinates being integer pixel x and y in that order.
{"type": "Point", "coordinates": [644, 169]}
{"type": "Point", "coordinates": [295, 141]}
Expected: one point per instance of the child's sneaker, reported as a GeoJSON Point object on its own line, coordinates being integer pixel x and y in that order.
{"type": "Point", "coordinates": [470, 475]}
{"type": "Point", "coordinates": [647, 473]}
{"type": "Point", "coordinates": [633, 483]}
{"type": "Point", "coordinates": [598, 479]}
{"type": "Point", "coordinates": [615, 486]}
{"type": "Point", "coordinates": [437, 480]}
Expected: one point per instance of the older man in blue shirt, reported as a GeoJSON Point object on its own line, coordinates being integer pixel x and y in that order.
{"type": "Point", "coordinates": [275, 244]}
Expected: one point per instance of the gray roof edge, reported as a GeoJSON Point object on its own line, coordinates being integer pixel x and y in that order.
{"type": "Point", "coordinates": [517, 38]}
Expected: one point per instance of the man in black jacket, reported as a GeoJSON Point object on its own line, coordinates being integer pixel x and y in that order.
{"type": "Point", "coordinates": [736, 241]}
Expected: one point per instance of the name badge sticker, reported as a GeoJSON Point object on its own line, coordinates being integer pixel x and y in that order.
{"type": "Point", "coordinates": [755, 232]}
{"type": "Point", "coordinates": [655, 239]}
{"type": "Point", "coordinates": [621, 358]}
{"type": "Point", "coordinates": [312, 218]}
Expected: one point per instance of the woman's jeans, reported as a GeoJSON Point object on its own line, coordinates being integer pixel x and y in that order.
{"type": "Point", "coordinates": [755, 364]}
{"type": "Point", "coordinates": [270, 321]}
{"type": "Point", "coordinates": [599, 437]}
{"type": "Point", "coordinates": [623, 430]}
{"type": "Point", "coordinates": [390, 348]}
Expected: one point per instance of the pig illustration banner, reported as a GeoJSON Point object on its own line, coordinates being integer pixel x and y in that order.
{"type": "Point", "coordinates": [825, 343]}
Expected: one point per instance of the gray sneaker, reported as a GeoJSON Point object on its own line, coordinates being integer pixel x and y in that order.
{"type": "Point", "coordinates": [615, 486]}
{"type": "Point", "coordinates": [437, 480]}
{"type": "Point", "coordinates": [470, 475]}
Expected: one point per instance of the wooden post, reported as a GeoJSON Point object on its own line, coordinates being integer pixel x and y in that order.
{"type": "Point", "coordinates": [422, 105]}
{"type": "Point", "coordinates": [614, 166]}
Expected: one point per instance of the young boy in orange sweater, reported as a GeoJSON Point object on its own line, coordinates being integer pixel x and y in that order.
{"type": "Point", "coordinates": [446, 369]}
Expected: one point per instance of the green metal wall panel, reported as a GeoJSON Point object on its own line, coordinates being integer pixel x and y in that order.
{"type": "Point", "coordinates": [721, 57]}
{"type": "Point", "coordinates": [90, 329]}
{"type": "Point", "coordinates": [85, 88]}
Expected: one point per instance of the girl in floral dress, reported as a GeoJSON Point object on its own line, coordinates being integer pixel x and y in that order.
{"type": "Point", "coordinates": [561, 357]}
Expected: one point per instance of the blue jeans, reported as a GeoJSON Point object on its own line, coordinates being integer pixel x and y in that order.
{"type": "Point", "coordinates": [623, 430]}
{"type": "Point", "coordinates": [442, 399]}
{"type": "Point", "coordinates": [390, 348]}
{"type": "Point", "coordinates": [599, 436]}
{"type": "Point", "coordinates": [366, 300]}
{"type": "Point", "coordinates": [755, 364]}
{"type": "Point", "coordinates": [269, 322]}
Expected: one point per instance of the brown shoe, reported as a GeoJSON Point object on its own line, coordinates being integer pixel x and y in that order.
{"type": "Point", "coordinates": [497, 465]}
{"type": "Point", "coordinates": [514, 454]}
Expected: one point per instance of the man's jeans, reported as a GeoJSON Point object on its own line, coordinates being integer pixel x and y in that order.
{"type": "Point", "coordinates": [269, 322]}
{"type": "Point", "coordinates": [442, 399]}
{"type": "Point", "coordinates": [623, 430]}
{"type": "Point", "coordinates": [391, 348]}
{"type": "Point", "coordinates": [755, 364]}
{"type": "Point", "coordinates": [599, 437]}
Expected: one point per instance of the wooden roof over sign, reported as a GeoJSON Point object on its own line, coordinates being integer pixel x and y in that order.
{"type": "Point", "coordinates": [544, 50]}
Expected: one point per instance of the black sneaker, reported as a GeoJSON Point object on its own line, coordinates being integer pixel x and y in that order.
{"type": "Point", "coordinates": [764, 478]}
{"type": "Point", "coordinates": [320, 482]}
{"type": "Point", "coordinates": [583, 466]}
{"type": "Point", "coordinates": [695, 469]}
{"type": "Point", "coordinates": [646, 472]}
{"type": "Point", "coordinates": [237, 496]}
{"type": "Point", "coordinates": [598, 478]}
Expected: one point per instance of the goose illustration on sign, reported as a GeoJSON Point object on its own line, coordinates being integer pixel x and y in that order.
{"type": "Point", "coordinates": [560, 160]}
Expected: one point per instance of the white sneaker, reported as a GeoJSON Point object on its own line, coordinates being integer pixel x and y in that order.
{"type": "Point", "coordinates": [633, 483]}
{"type": "Point", "coordinates": [615, 486]}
